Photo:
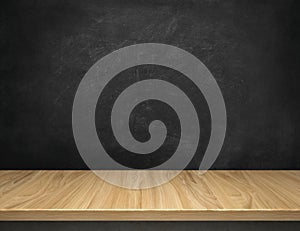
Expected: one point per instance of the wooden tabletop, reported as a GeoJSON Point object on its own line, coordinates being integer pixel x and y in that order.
{"type": "Point", "coordinates": [215, 195]}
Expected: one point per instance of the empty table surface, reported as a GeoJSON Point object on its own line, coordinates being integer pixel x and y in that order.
{"type": "Point", "coordinates": [192, 195]}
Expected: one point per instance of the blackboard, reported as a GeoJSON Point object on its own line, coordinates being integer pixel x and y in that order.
{"type": "Point", "coordinates": [250, 47]}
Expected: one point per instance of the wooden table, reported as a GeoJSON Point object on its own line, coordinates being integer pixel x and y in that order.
{"type": "Point", "coordinates": [215, 195]}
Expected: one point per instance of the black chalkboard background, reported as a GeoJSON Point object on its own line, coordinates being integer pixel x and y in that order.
{"type": "Point", "coordinates": [251, 48]}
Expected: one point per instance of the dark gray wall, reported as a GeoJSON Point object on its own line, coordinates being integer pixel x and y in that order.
{"type": "Point", "coordinates": [166, 226]}
{"type": "Point", "coordinates": [251, 48]}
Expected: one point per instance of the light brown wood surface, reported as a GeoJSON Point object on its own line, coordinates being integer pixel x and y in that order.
{"type": "Point", "coordinates": [215, 195]}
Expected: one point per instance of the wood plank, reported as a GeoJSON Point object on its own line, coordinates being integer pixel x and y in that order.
{"type": "Point", "coordinates": [215, 195]}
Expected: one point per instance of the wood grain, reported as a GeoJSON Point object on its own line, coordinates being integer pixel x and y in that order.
{"type": "Point", "coordinates": [215, 195]}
